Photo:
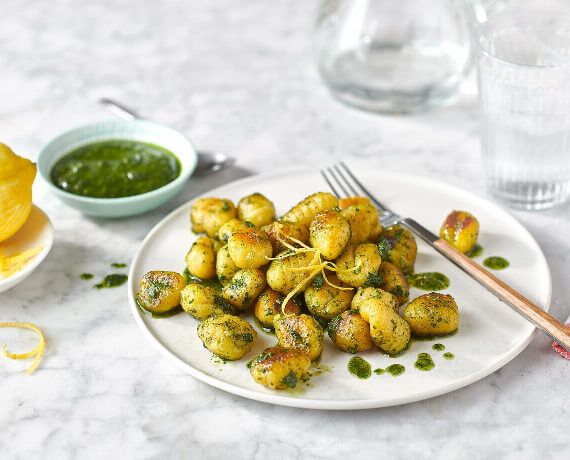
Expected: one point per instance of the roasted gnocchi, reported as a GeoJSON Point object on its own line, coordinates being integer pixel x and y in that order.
{"type": "Point", "coordinates": [324, 265]}
{"type": "Point", "coordinates": [227, 336]}
{"type": "Point", "coordinates": [256, 209]}
{"type": "Point", "coordinates": [159, 291]}
{"type": "Point", "coordinates": [279, 368]}
{"type": "Point", "coordinates": [209, 214]}
{"type": "Point", "coordinates": [460, 229]}
{"type": "Point", "coordinates": [432, 314]}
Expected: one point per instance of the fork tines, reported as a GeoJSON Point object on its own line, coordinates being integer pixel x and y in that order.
{"type": "Point", "coordinates": [339, 177]}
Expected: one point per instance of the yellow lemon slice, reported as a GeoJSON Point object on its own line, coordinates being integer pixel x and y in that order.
{"type": "Point", "coordinates": [17, 175]}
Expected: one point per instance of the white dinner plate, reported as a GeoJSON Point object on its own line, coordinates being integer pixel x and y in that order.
{"type": "Point", "coordinates": [35, 233]}
{"type": "Point", "coordinates": [490, 334]}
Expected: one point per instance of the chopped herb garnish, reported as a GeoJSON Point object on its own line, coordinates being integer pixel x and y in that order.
{"type": "Point", "coordinates": [290, 380]}
{"type": "Point", "coordinates": [318, 281]}
{"type": "Point", "coordinates": [384, 248]}
{"type": "Point", "coordinates": [374, 280]}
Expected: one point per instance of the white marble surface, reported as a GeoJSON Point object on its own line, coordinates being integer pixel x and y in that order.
{"type": "Point", "coordinates": [237, 77]}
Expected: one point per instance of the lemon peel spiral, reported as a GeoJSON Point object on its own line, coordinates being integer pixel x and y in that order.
{"type": "Point", "coordinates": [37, 352]}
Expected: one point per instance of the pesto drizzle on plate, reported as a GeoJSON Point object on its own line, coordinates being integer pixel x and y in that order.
{"type": "Point", "coordinates": [496, 263]}
{"type": "Point", "coordinates": [429, 281]}
{"type": "Point", "coordinates": [359, 367]}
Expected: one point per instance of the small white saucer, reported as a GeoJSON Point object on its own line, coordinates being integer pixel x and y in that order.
{"type": "Point", "coordinates": [36, 232]}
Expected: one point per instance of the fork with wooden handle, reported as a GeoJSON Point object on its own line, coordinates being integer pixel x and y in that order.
{"type": "Point", "coordinates": [343, 183]}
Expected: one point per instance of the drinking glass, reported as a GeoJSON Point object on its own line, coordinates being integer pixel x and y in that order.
{"type": "Point", "coordinates": [524, 94]}
{"type": "Point", "coordinates": [394, 56]}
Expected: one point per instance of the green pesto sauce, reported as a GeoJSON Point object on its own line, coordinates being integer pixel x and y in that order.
{"type": "Point", "coordinates": [395, 369]}
{"type": "Point", "coordinates": [475, 251]}
{"type": "Point", "coordinates": [115, 168]}
{"type": "Point", "coordinates": [424, 362]}
{"type": "Point", "coordinates": [213, 283]}
{"type": "Point", "coordinates": [86, 276]}
{"type": "Point", "coordinates": [267, 330]}
{"type": "Point", "coordinates": [359, 367]}
{"type": "Point", "coordinates": [448, 355]}
{"type": "Point", "coordinates": [438, 347]}
{"type": "Point", "coordinates": [113, 280]}
{"type": "Point", "coordinates": [166, 314]}
{"type": "Point", "coordinates": [429, 281]}
{"type": "Point", "coordinates": [118, 265]}
{"type": "Point", "coordinates": [496, 263]}
{"type": "Point", "coordinates": [379, 371]}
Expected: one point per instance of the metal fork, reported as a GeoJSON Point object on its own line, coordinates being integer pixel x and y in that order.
{"type": "Point", "coordinates": [343, 183]}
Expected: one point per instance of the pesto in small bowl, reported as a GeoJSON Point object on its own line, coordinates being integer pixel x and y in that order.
{"type": "Point", "coordinates": [115, 168]}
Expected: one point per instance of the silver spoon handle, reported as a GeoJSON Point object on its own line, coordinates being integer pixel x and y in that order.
{"type": "Point", "coordinates": [119, 109]}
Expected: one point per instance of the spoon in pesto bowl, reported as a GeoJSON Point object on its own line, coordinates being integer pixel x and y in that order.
{"type": "Point", "coordinates": [208, 162]}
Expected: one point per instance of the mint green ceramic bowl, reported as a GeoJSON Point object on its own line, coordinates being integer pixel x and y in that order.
{"type": "Point", "coordinates": [137, 130]}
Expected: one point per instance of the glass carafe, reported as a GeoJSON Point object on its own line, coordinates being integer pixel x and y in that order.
{"type": "Point", "coordinates": [394, 56]}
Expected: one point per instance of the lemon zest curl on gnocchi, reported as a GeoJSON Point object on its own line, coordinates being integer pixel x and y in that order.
{"type": "Point", "coordinates": [316, 266]}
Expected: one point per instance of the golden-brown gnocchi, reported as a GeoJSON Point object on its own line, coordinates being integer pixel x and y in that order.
{"type": "Point", "coordinates": [199, 301]}
{"type": "Point", "coordinates": [359, 264]}
{"type": "Point", "coordinates": [209, 214]}
{"type": "Point", "coordinates": [363, 220]}
{"type": "Point", "coordinates": [250, 248]}
{"type": "Point", "coordinates": [225, 266]}
{"type": "Point", "coordinates": [256, 209]}
{"type": "Point", "coordinates": [301, 332]}
{"type": "Point", "coordinates": [329, 232]}
{"type": "Point", "coordinates": [279, 368]}
{"type": "Point", "coordinates": [403, 248]}
{"type": "Point", "coordinates": [461, 230]}
{"type": "Point", "coordinates": [363, 294]}
{"type": "Point", "coordinates": [326, 301]}
{"type": "Point", "coordinates": [230, 227]}
{"type": "Point", "coordinates": [227, 336]}
{"type": "Point", "coordinates": [394, 281]}
{"type": "Point", "coordinates": [201, 258]}
{"type": "Point", "coordinates": [432, 314]}
{"type": "Point", "coordinates": [159, 291]}
{"type": "Point", "coordinates": [284, 274]}
{"type": "Point", "coordinates": [244, 288]}
{"type": "Point", "coordinates": [270, 303]}
{"type": "Point", "coordinates": [280, 232]}
{"type": "Point", "coordinates": [349, 332]}
{"type": "Point", "coordinates": [388, 330]}
{"type": "Point", "coordinates": [304, 211]}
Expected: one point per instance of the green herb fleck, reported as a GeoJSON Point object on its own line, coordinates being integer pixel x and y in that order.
{"type": "Point", "coordinates": [290, 380]}
{"type": "Point", "coordinates": [384, 248]}
{"type": "Point", "coordinates": [318, 281]}
{"type": "Point", "coordinates": [374, 280]}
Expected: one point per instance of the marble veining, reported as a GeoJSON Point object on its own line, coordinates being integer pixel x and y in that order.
{"type": "Point", "coordinates": [236, 77]}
